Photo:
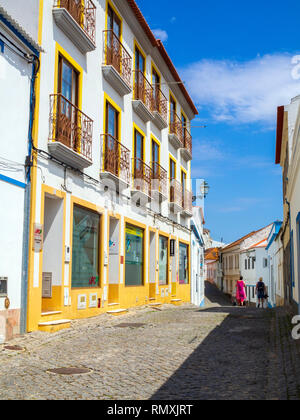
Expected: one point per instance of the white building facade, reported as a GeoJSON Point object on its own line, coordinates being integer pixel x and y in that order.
{"type": "Point", "coordinates": [112, 190]}
{"type": "Point", "coordinates": [19, 52]}
{"type": "Point", "coordinates": [275, 257]}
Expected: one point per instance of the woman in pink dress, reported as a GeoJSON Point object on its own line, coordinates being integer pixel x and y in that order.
{"type": "Point", "coordinates": [241, 292]}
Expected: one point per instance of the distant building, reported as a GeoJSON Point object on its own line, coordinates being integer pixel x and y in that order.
{"type": "Point", "coordinates": [245, 257]}
{"type": "Point", "coordinates": [287, 146]}
{"type": "Point", "coordinates": [275, 257]}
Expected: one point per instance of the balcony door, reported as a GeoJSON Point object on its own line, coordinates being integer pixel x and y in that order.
{"type": "Point", "coordinates": [155, 160]}
{"type": "Point", "coordinates": [67, 103]}
{"type": "Point", "coordinates": [156, 89]}
{"type": "Point", "coordinates": [138, 156]}
{"type": "Point", "coordinates": [140, 67]}
{"type": "Point", "coordinates": [172, 115]}
{"type": "Point", "coordinates": [112, 140]}
{"type": "Point", "coordinates": [183, 183]}
{"type": "Point", "coordinates": [113, 41]}
{"type": "Point", "coordinates": [172, 178]}
{"type": "Point", "coordinates": [184, 126]}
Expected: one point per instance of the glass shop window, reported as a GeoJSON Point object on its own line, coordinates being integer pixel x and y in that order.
{"type": "Point", "coordinates": [183, 264]}
{"type": "Point", "coordinates": [163, 261]}
{"type": "Point", "coordinates": [85, 250]}
{"type": "Point", "coordinates": [134, 260]}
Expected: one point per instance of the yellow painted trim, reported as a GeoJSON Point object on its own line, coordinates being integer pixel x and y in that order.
{"type": "Point", "coordinates": [59, 50]}
{"type": "Point", "coordinates": [175, 161]}
{"type": "Point", "coordinates": [109, 3]}
{"type": "Point", "coordinates": [108, 99]}
{"type": "Point", "coordinates": [153, 67]}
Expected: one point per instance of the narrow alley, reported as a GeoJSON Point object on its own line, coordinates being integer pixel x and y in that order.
{"type": "Point", "coordinates": [172, 353]}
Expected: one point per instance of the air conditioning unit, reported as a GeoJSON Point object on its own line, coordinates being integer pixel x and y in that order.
{"type": "Point", "coordinates": [81, 302]}
{"type": "Point", "coordinates": [93, 300]}
{"type": "Point", "coordinates": [3, 286]}
{"type": "Point", "coordinates": [47, 285]}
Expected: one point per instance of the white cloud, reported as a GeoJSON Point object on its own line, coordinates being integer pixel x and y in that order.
{"type": "Point", "coordinates": [160, 34]}
{"type": "Point", "coordinates": [242, 92]}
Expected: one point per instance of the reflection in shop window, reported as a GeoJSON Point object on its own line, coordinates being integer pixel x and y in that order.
{"type": "Point", "coordinates": [85, 251]}
{"type": "Point", "coordinates": [134, 262]}
{"type": "Point", "coordinates": [163, 261]}
{"type": "Point", "coordinates": [183, 264]}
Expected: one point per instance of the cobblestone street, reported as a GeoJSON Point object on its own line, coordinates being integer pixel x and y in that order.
{"type": "Point", "coordinates": [219, 352]}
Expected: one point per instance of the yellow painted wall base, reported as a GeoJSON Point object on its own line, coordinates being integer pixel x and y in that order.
{"type": "Point", "coordinates": [52, 328]}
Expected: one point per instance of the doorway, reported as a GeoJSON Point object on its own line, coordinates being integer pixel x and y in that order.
{"type": "Point", "coordinates": [52, 254]}
{"type": "Point", "coordinates": [114, 259]}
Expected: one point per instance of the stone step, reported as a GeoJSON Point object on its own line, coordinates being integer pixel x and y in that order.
{"type": "Point", "coordinates": [155, 304]}
{"type": "Point", "coordinates": [54, 326]}
{"type": "Point", "coordinates": [117, 312]}
{"type": "Point", "coordinates": [177, 302]}
{"type": "Point", "coordinates": [50, 313]}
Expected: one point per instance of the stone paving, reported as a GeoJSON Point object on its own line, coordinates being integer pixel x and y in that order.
{"type": "Point", "coordinates": [180, 353]}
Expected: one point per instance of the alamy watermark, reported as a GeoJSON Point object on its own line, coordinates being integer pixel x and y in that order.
{"type": "Point", "coordinates": [296, 329]}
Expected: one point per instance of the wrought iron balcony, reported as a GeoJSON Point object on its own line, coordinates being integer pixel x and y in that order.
{"type": "Point", "coordinates": [187, 203]}
{"type": "Point", "coordinates": [187, 151]}
{"type": "Point", "coordinates": [71, 133]}
{"type": "Point", "coordinates": [142, 180]}
{"type": "Point", "coordinates": [117, 63]}
{"type": "Point", "coordinates": [176, 132]}
{"type": "Point", "coordinates": [77, 18]}
{"type": "Point", "coordinates": [143, 101]}
{"type": "Point", "coordinates": [160, 108]}
{"type": "Point", "coordinates": [115, 162]}
{"type": "Point", "coordinates": [176, 195]}
{"type": "Point", "coordinates": [159, 186]}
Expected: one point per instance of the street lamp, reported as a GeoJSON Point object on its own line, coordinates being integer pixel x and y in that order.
{"type": "Point", "coordinates": [204, 190]}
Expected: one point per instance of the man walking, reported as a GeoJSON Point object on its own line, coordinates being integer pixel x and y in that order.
{"type": "Point", "coordinates": [261, 292]}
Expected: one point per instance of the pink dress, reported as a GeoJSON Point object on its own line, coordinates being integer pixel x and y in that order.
{"type": "Point", "coordinates": [240, 291]}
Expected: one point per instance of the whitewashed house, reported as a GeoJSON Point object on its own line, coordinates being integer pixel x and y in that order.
{"type": "Point", "coordinates": [19, 54]}
{"type": "Point", "coordinates": [112, 175]}
{"type": "Point", "coordinates": [254, 261]}
{"type": "Point", "coordinates": [275, 257]}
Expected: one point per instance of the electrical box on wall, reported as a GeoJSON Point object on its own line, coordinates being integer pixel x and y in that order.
{"type": "Point", "coordinates": [67, 254]}
{"type": "Point", "coordinates": [3, 286]}
{"type": "Point", "coordinates": [81, 302]}
{"type": "Point", "coordinates": [47, 285]}
{"type": "Point", "coordinates": [93, 300]}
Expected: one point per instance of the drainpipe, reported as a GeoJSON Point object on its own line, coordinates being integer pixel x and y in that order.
{"type": "Point", "coordinates": [26, 230]}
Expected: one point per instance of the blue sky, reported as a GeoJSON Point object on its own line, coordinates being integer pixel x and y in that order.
{"type": "Point", "coordinates": [236, 60]}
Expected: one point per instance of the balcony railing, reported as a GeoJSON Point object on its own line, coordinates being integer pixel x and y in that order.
{"type": "Point", "coordinates": [176, 193]}
{"type": "Point", "coordinates": [187, 140]}
{"type": "Point", "coordinates": [187, 201]}
{"type": "Point", "coordinates": [115, 158]}
{"type": "Point", "coordinates": [70, 126]}
{"type": "Point", "coordinates": [176, 127]}
{"type": "Point", "coordinates": [160, 103]}
{"type": "Point", "coordinates": [83, 12]}
{"type": "Point", "coordinates": [143, 90]}
{"type": "Point", "coordinates": [142, 176]}
{"type": "Point", "coordinates": [117, 56]}
{"type": "Point", "coordinates": [159, 179]}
